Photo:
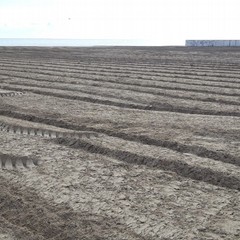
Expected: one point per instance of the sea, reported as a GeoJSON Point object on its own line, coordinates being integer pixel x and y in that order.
{"type": "Point", "coordinates": [44, 42]}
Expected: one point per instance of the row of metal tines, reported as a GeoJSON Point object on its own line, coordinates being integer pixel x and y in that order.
{"type": "Point", "coordinates": [44, 133]}
{"type": "Point", "coordinates": [11, 162]}
{"type": "Point", "coordinates": [10, 94]}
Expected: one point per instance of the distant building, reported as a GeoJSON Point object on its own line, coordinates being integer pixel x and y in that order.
{"type": "Point", "coordinates": [211, 43]}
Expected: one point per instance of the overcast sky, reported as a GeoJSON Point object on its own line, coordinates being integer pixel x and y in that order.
{"type": "Point", "coordinates": [164, 22]}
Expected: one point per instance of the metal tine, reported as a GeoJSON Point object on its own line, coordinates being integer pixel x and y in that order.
{"type": "Point", "coordinates": [35, 132]}
{"type": "Point", "coordinates": [11, 129]}
{"type": "Point", "coordinates": [19, 164]}
{"type": "Point", "coordinates": [14, 129]}
{"type": "Point", "coordinates": [7, 128]}
{"type": "Point", "coordinates": [39, 132]}
{"type": "Point", "coordinates": [28, 131]}
{"type": "Point", "coordinates": [8, 164]}
{"type": "Point", "coordinates": [32, 132]}
{"type": "Point", "coordinates": [59, 134]}
{"type": "Point", "coordinates": [29, 163]}
{"type": "Point", "coordinates": [95, 134]}
{"type": "Point", "coordinates": [21, 130]}
{"type": "Point", "coordinates": [3, 127]}
{"type": "Point", "coordinates": [46, 133]}
{"type": "Point", "coordinates": [18, 130]}
{"type": "Point", "coordinates": [3, 163]}
{"type": "Point", "coordinates": [13, 162]}
{"type": "Point", "coordinates": [35, 162]}
{"type": "Point", "coordinates": [53, 134]}
{"type": "Point", "coordinates": [25, 131]}
{"type": "Point", "coordinates": [2, 124]}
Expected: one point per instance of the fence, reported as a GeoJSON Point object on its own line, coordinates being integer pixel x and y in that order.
{"type": "Point", "coordinates": [211, 43]}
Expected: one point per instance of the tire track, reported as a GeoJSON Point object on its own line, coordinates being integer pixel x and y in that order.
{"type": "Point", "coordinates": [97, 93]}
{"type": "Point", "coordinates": [130, 55]}
{"type": "Point", "coordinates": [162, 87]}
{"type": "Point", "coordinates": [80, 69]}
{"type": "Point", "coordinates": [160, 107]}
{"type": "Point", "coordinates": [144, 77]}
{"type": "Point", "coordinates": [196, 82]}
{"type": "Point", "coordinates": [94, 93]}
{"type": "Point", "coordinates": [172, 145]}
{"type": "Point", "coordinates": [110, 68]}
{"type": "Point", "coordinates": [180, 65]}
{"type": "Point", "coordinates": [180, 168]}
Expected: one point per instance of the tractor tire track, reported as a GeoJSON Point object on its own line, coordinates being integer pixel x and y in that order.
{"type": "Point", "coordinates": [51, 69]}
{"type": "Point", "coordinates": [97, 92]}
{"type": "Point", "coordinates": [163, 71]}
{"type": "Point", "coordinates": [172, 145]}
{"type": "Point", "coordinates": [140, 84]}
{"type": "Point", "coordinates": [180, 168]}
{"type": "Point", "coordinates": [57, 87]}
{"type": "Point", "coordinates": [186, 65]}
{"type": "Point", "coordinates": [160, 107]}
{"type": "Point", "coordinates": [144, 77]}
{"type": "Point", "coordinates": [125, 55]}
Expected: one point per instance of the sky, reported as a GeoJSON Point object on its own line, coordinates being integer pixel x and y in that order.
{"type": "Point", "coordinates": [157, 22]}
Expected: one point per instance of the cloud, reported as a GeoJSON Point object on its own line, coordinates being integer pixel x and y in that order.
{"type": "Point", "coordinates": [164, 21]}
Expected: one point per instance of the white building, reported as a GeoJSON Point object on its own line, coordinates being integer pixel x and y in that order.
{"type": "Point", "coordinates": [210, 43]}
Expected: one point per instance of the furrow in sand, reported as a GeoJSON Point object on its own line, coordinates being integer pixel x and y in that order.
{"type": "Point", "coordinates": [181, 168]}
{"type": "Point", "coordinates": [157, 106]}
{"type": "Point", "coordinates": [172, 145]}
{"type": "Point", "coordinates": [194, 80]}
{"type": "Point", "coordinates": [105, 85]}
{"type": "Point", "coordinates": [104, 91]}
{"type": "Point", "coordinates": [138, 82]}
{"type": "Point", "coordinates": [151, 80]}
{"type": "Point", "coordinates": [99, 93]}
{"type": "Point", "coordinates": [167, 65]}
{"type": "Point", "coordinates": [148, 72]}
